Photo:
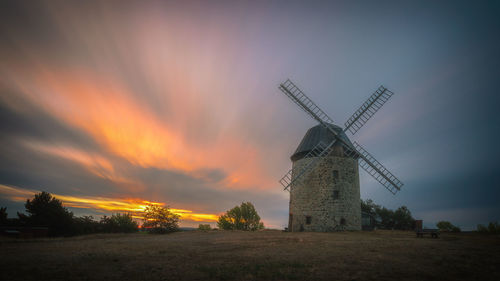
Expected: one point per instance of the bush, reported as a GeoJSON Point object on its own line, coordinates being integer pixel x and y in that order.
{"type": "Point", "coordinates": [482, 229]}
{"type": "Point", "coordinates": [242, 217]}
{"type": "Point", "coordinates": [160, 220]}
{"type": "Point", "coordinates": [492, 228]}
{"type": "Point", "coordinates": [86, 225]}
{"type": "Point", "coordinates": [447, 226]}
{"type": "Point", "coordinates": [3, 216]}
{"type": "Point", "coordinates": [204, 227]}
{"type": "Point", "coordinates": [119, 223]}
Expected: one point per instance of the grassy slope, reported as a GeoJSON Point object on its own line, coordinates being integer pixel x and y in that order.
{"type": "Point", "coordinates": [266, 255]}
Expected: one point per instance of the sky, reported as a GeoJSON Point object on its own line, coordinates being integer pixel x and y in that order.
{"type": "Point", "coordinates": [114, 105]}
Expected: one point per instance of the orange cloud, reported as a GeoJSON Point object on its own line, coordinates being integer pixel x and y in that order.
{"type": "Point", "coordinates": [107, 111]}
{"type": "Point", "coordinates": [134, 206]}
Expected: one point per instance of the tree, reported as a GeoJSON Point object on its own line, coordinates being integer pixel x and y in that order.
{"type": "Point", "coordinates": [46, 210]}
{"type": "Point", "coordinates": [124, 223]}
{"type": "Point", "coordinates": [3, 215]}
{"type": "Point", "coordinates": [369, 207]}
{"type": "Point", "coordinates": [492, 228]}
{"type": "Point", "coordinates": [158, 219]}
{"type": "Point", "coordinates": [86, 225]}
{"type": "Point", "coordinates": [385, 218]}
{"type": "Point", "coordinates": [482, 229]}
{"type": "Point", "coordinates": [447, 226]}
{"type": "Point", "coordinates": [389, 219]}
{"type": "Point", "coordinates": [403, 219]}
{"type": "Point", "coordinates": [242, 217]}
{"type": "Point", "coordinates": [204, 227]}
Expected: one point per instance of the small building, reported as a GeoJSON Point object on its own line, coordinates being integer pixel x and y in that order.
{"type": "Point", "coordinates": [367, 221]}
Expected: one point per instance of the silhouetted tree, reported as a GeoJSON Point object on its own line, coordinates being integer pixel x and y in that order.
{"type": "Point", "coordinates": [385, 218]}
{"type": "Point", "coordinates": [86, 225]}
{"type": "Point", "coordinates": [204, 227]}
{"type": "Point", "coordinates": [389, 219]}
{"type": "Point", "coordinates": [46, 210]}
{"type": "Point", "coordinates": [124, 223]}
{"type": "Point", "coordinates": [369, 207]}
{"type": "Point", "coordinates": [492, 228]}
{"type": "Point", "coordinates": [242, 217]}
{"type": "Point", "coordinates": [158, 219]}
{"type": "Point", "coordinates": [402, 219]}
{"type": "Point", "coordinates": [447, 226]}
{"type": "Point", "coordinates": [3, 215]}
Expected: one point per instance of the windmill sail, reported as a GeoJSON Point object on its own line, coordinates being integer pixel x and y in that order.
{"type": "Point", "coordinates": [367, 110]}
{"type": "Point", "coordinates": [377, 170]}
{"type": "Point", "coordinates": [304, 102]}
{"type": "Point", "coordinates": [315, 155]}
{"type": "Point", "coordinates": [365, 159]}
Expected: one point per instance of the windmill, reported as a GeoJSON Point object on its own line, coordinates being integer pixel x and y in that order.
{"type": "Point", "coordinates": [324, 179]}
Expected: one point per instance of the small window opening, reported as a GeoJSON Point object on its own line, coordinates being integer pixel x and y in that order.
{"type": "Point", "coordinates": [335, 194]}
{"type": "Point", "coordinates": [308, 219]}
{"type": "Point", "coordinates": [335, 175]}
{"type": "Point", "coordinates": [342, 221]}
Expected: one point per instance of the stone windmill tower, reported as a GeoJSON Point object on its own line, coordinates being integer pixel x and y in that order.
{"type": "Point", "coordinates": [324, 179]}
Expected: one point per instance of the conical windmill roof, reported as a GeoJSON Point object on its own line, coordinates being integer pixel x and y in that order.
{"type": "Point", "coordinates": [315, 135]}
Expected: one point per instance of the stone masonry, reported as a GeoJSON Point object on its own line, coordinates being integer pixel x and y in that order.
{"type": "Point", "coordinates": [326, 198]}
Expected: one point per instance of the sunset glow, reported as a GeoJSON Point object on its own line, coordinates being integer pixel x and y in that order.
{"type": "Point", "coordinates": [133, 206]}
{"type": "Point", "coordinates": [108, 112]}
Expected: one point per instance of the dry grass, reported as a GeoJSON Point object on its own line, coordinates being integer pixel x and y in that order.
{"type": "Point", "coordinates": [265, 255]}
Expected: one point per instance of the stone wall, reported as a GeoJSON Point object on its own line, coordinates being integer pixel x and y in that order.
{"type": "Point", "coordinates": [326, 198]}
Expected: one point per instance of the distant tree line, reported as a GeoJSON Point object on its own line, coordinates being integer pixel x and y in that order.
{"type": "Point", "coordinates": [385, 218]}
{"type": "Point", "coordinates": [492, 228]}
{"type": "Point", "coordinates": [44, 210]}
{"type": "Point", "coordinates": [402, 219]}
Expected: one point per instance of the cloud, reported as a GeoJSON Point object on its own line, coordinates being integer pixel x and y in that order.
{"type": "Point", "coordinates": [107, 112]}
{"type": "Point", "coordinates": [95, 163]}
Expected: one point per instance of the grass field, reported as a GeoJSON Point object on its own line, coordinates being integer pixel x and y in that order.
{"type": "Point", "coordinates": [264, 255]}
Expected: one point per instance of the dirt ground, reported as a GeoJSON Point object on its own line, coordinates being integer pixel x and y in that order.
{"type": "Point", "coordinates": [264, 255]}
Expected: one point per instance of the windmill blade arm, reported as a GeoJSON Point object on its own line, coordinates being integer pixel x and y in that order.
{"type": "Point", "coordinates": [367, 110]}
{"type": "Point", "coordinates": [304, 102]}
{"type": "Point", "coordinates": [317, 154]}
{"type": "Point", "coordinates": [360, 117]}
{"type": "Point", "coordinates": [377, 170]}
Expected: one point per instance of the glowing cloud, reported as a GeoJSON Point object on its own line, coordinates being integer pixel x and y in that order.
{"type": "Point", "coordinates": [134, 206]}
{"type": "Point", "coordinates": [108, 112]}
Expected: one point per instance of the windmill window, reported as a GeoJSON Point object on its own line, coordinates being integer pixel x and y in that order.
{"type": "Point", "coordinates": [335, 194]}
{"type": "Point", "coordinates": [308, 219]}
{"type": "Point", "coordinates": [335, 175]}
